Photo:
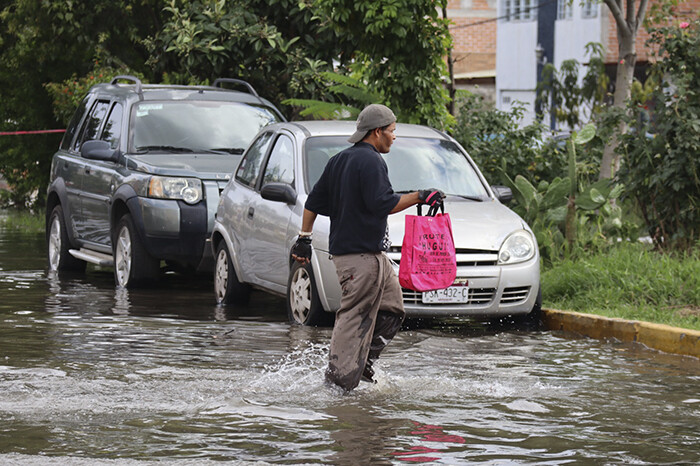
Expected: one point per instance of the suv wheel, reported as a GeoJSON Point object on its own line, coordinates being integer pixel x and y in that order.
{"type": "Point", "coordinates": [133, 266]}
{"type": "Point", "coordinates": [303, 304]}
{"type": "Point", "coordinates": [227, 288]}
{"type": "Point", "coordinates": [58, 245]}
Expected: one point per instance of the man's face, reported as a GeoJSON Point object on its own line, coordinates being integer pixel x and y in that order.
{"type": "Point", "coordinates": [386, 138]}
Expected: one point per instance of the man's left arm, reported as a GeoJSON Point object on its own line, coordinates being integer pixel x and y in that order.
{"type": "Point", "coordinates": [405, 201]}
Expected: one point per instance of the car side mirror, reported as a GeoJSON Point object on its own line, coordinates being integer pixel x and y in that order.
{"type": "Point", "coordinates": [99, 150]}
{"type": "Point", "coordinates": [279, 192]}
{"type": "Point", "coordinates": [503, 193]}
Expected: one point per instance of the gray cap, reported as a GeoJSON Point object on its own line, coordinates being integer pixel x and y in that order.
{"type": "Point", "coordinates": [373, 116]}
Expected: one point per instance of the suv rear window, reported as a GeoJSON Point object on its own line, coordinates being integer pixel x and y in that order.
{"type": "Point", "coordinates": [196, 125]}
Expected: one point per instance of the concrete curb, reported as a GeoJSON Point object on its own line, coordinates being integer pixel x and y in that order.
{"type": "Point", "coordinates": [661, 337]}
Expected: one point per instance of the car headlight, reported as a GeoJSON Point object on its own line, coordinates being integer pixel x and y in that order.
{"type": "Point", "coordinates": [186, 189]}
{"type": "Point", "coordinates": [518, 247]}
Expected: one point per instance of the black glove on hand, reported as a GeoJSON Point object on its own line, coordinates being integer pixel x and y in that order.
{"type": "Point", "coordinates": [432, 197]}
{"type": "Point", "coordinates": [302, 248]}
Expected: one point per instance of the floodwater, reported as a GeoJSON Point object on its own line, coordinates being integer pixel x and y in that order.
{"type": "Point", "coordinates": [90, 375]}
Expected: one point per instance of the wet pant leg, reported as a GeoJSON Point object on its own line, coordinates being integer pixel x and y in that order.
{"type": "Point", "coordinates": [364, 279]}
{"type": "Point", "coordinates": [391, 312]}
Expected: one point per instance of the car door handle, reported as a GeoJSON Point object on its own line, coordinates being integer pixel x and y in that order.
{"type": "Point", "coordinates": [251, 212]}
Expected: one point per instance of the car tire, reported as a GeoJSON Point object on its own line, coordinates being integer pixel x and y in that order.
{"type": "Point", "coordinates": [531, 320]}
{"type": "Point", "coordinates": [534, 317]}
{"type": "Point", "coordinates": [303, 304]}
{"type": "Point", "coordinates": [58, 245]}
{"type": "Point", "coordinates": [133, 265]}
{"type": "Point", "coordinates": [227, 288]}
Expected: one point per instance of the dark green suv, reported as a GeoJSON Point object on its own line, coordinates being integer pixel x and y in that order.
{"type": "Point", "coordinates": [137, 177]}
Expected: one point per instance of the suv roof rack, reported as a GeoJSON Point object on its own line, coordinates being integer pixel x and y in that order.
{"type": "Point", "coordinates": [251, 90]}
{"type": "Point", "coordinates": [128, 77]}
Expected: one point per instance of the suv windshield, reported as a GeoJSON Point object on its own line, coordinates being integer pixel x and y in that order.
{"type": "Point", "coordinates": [191, 126]}
{"type": "Point", "coordinates": [414, 163]}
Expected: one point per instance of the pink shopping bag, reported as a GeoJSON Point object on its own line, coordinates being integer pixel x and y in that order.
{"type": "Point", "coordinates": [428, 259]}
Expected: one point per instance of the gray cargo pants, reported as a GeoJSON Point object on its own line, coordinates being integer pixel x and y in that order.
{"type": "Point", "coordinates": [371, 312]}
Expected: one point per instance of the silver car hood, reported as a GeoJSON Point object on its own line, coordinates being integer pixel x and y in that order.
{"type": "Point", "coordinates": [475, 225]}
{"type": "Point", "coordinates": [203, 166]}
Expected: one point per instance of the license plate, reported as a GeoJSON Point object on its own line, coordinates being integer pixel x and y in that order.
{"type": "Point", "coordinates": [451, 295]}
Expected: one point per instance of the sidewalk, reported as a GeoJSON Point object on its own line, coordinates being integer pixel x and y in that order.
{"type": "Point", "coordinates": [657, 336]}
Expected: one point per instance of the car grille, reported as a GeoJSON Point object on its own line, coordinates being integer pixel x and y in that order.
{"type": "Point", "coordinates": [477, 297]}
{"type": "Point", "coordinates": [514, 295]}
{"type": "Point", "coordinates": [465, 257]}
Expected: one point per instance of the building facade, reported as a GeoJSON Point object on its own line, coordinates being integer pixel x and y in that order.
{"type": "Point", "coordinates": [473, 31]}
{"type": "Point", "coordinates": [531, 33]}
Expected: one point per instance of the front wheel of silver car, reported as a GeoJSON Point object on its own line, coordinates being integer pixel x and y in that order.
{"type": "Point", "coordinates": [534, 318]}
{"type": "Point", "coordinates": [303, 304]}
{"type": "Point", "coordinates": [227, 288]}
{"type": "Point", "coordinates": [58, 245]}
{"type": "Point", "coordinates": [133, 265]}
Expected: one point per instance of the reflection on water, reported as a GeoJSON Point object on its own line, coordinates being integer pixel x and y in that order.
{"type": "Point", "coordinates": [90, 374]}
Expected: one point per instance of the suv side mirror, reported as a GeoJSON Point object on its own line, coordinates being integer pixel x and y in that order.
{"type": "Point", "coordinates": [98, 150]}
{"type": "Point", "coordinates": [279, 192]}
{"type": "Point", "coordinates": [503, 193]}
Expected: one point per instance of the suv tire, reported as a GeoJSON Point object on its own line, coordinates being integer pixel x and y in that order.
{"type": "Point", "coordinates": [303, 304]}
{"type": "Point", "coordinates": [58, 244]}
{"type": "Point", "coordinates": [133, 266]}
{"type": "Point", "coordinates": [227, 288]}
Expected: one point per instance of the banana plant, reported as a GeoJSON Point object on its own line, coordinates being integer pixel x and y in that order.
{"type": "Point", "coordinates": [347, 89]}
{"type": "Point", "coordinates": [550, 206]}
{"type": "Point", "coordinates": [577, 138]}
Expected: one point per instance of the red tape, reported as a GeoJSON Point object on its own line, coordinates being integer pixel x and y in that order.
{"type": "Point", "coordinates": [42, 131]}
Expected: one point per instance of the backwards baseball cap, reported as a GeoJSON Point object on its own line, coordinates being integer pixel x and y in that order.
{"type": "Point", "coordinates": [373, 116]}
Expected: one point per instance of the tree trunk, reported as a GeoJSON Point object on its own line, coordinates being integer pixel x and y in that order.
{"type": "Point", "coordinates": [451, 67]}
{"type": "Point", "coordinates": [627, 21]}
{"type": "Point", "coordinates": [623, 85]}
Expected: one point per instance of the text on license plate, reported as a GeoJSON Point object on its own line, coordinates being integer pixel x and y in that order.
{"type": "Point", "coordinates": [453, 294]}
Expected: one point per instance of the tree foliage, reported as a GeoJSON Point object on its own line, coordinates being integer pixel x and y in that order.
{"type": "Point", "coordinates": [276, 45]}
{"type": "Point", "coordinates": [496, 142]}
{"type": "Point", "coordinates": [661, 167]}
{"type": "Point", "coordinates": [399, 47]}
{"type": "Point", "coordinates": [43, 41]}
{"type": "Point", "coordinates": [560, 92]}
{"type": "Point", "coordinates": [352, 94]}
{"type": "Point", "coordinates": [283, 47]}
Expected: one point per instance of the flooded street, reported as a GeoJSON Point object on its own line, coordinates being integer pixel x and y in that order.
{"type": "Point", "coordinates": [93, 375]}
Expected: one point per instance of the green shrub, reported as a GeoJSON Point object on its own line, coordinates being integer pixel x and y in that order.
{"type": "Point", "coordinates": [494, 140]}
{"type": "Point", "coordinates": [660, 164]}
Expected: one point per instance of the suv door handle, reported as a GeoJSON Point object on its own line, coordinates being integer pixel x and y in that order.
{"type": "Point", "coordinates": [251, 212]}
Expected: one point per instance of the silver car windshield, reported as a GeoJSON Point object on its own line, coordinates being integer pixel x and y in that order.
{"type": "Point", "coordinates": [414, 163]}
{"type": "Point", "coordinates": [196, 126]}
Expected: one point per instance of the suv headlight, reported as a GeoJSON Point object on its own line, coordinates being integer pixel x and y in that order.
{"type": "Point", "coordinates": [186, 189]}
{"type": "Point", "coordinates": [518, 247]}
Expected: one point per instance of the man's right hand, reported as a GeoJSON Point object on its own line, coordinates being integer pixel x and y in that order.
{"type": "Point", "coordinates": [431, 197]}
{"type": "Point", "coordinates": [301, 251]}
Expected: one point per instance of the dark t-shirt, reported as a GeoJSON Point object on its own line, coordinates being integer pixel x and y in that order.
{"type": "Point", "coordinates": [355, 192]}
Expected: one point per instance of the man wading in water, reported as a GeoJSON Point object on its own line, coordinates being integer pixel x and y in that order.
{"type": "Point", "coordinates": [355, 192]}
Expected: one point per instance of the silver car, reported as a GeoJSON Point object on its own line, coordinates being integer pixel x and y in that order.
{"type": "Point", "coordinates": [260, 210]}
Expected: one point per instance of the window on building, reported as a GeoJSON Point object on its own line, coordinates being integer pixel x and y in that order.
{"type": "Point", "coordinates": [565, 9]}
{"type": "Point", "coordinates": [590, 9]}
{"type": "Point", "coordinates": [520, 10]}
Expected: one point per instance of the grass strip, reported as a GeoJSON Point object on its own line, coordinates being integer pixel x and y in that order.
{"type": "Point", "coordinates": [629, 281]}
{"type": "Point", "coordinates": [22, 220]}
